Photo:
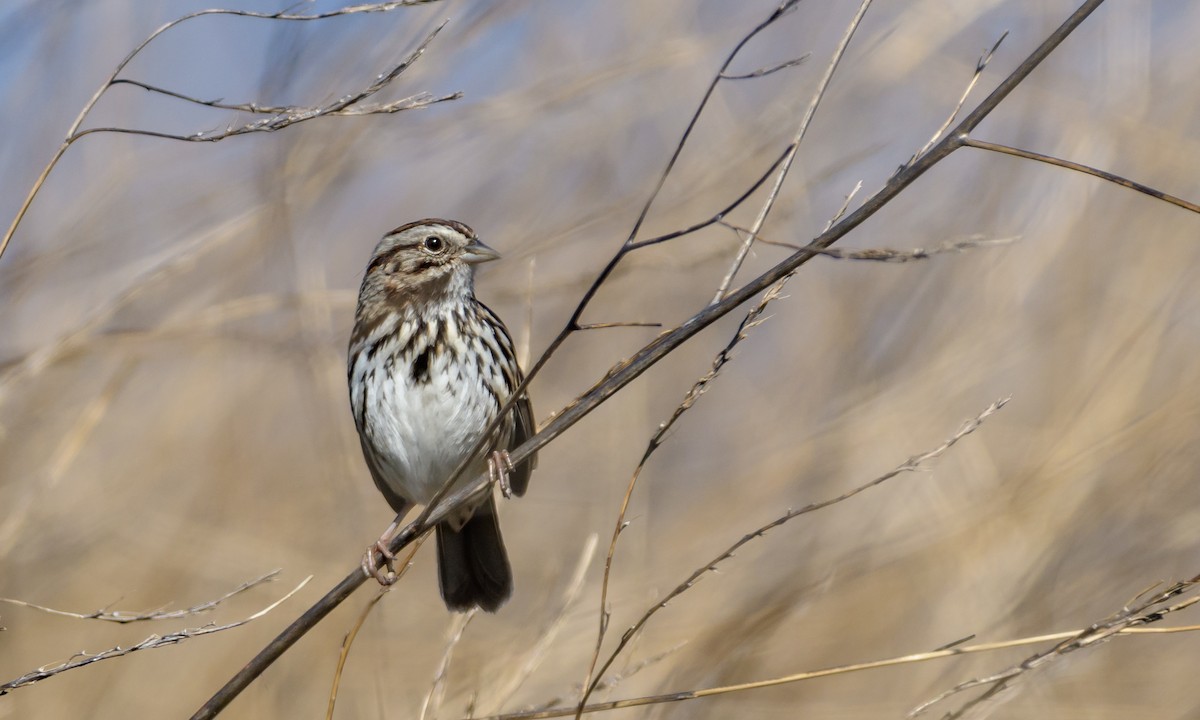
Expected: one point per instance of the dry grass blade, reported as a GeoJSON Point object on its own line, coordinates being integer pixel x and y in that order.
{"type": "Point", "coordinates": [64, 455]}
{"type": "Point", "coordinates": [1085, 169]}
{"type": "Point", "coordinates": [910, 465]}
{"type": "Point", "coordinates": [348, 641]}
{"type": "Point", "coordinates": [74, 134]}
{"type": "Point", "coordinates": [437, 689]}
{"type": "Point", "coordinates": [1141, 612]}
{"type": "Point", "coordinates": [154, 641]}
{"type": "Point", "coordinates": [752, 319]}
{"type": "Point", "coordinates": [123, 617]}
{"type": "Point", "coordinates": [793, 148]}
{"type": "Point", "coordinates": [839, 670]}
{"type": "Point", "coordinates": [979, 68]}
{"type": "Point", "coordinates": [537, 655]}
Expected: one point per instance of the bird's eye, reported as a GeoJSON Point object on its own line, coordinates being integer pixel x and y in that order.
{"type": "Point", "coordinates": [434, 244]}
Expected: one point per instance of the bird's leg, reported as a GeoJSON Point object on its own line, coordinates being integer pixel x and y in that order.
{"type": "Point", "coordinates": [499, 467]}
{"type": "Point", "coordinates": [370, 565]}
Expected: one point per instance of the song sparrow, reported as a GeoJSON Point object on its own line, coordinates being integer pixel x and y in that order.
{"type": "Point", "coordinates": [429, 368]}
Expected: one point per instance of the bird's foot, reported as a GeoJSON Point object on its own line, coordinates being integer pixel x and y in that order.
{"type": "Point", "coordinates": [379, 551]}
{"type": "Point", "coordinates": [500, 465]}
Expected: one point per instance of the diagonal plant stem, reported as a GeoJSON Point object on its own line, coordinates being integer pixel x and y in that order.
{"type": "Point", "coordinates": [752, 319]}
{"type": "Point", "coordinates": [122, 617]}
{"type": "Point", "coordinates": [1133, 629]}
{"type": "Point", "coordinates": [1085, 169]}
{"type": "Point", "coordinates": [154, 641]}
{"type": "Point", "coordinates": [1133, 615]}
{"type": "Point", "coordinates": [629, 370]}
{"type": "Point", "coordinates": [912, 464]}
{"type": "Point", "coordinates": [793, 148]}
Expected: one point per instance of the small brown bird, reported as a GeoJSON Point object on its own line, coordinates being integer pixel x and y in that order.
{"type": "Point", "coordinates": [429, 369]}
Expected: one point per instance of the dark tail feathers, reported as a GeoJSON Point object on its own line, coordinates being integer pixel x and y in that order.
{"type": "Point", "coordinates": [473, 565]}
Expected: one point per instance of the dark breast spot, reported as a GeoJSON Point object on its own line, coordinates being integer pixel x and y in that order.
{"type": "Point", "coordinates": [420, 366]}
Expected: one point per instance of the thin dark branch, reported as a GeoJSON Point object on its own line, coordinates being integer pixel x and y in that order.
{"type": "Point", "coordinates": [1133, 615]}
{"type": "Point", "coordinates": [719, 216]}
{"type": "Point", "coordinates": [801, 131]}
{"type": "Point", "coordinates": [910, 465]}
{"type": "Point", "coordinates": [154, 641]}
{"type": "Point", "coordinates": [980, 66]}
{"type": "Point", "coordinates": [555, 712]}
{"type": "Point", "coordinates": [763, 72]}
{"type": "Point", "coordinates": [73, 131]}
{"type": "Point", "coordinates": [607, 325]}
{"type": "Point", "coordinates": [752, 319]}
{"type": "Point", "coordinates": [346, 105]}
{"type": "Point", "coordinates": [1086, 169]}
{"type": "Point", "coordinates": [122, 617]}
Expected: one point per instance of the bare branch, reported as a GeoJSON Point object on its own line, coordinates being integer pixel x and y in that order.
{"type": "Point", "coordinates": [1101, 632]}
{"type": "Point", "coordinates": [291, 115]}
{"type": "Point", "coordinates": [607, 325]}
{"type": "Point", "coordinates": [122, 617]}
{"type": "Point", "coordinates": [348, 641]}
{"type": "Point", "coordinates": [752, 319]}
{"type": "Point", "coordinates": [793, 148]}
{"type": "Point", "coordinates": [1086, 169]}
{"type": "Point", "coordinates": [154, 641]}
{"type": "Point", "coordinates": [73, 133]}
{"type": "Point", "coordinates": [979, 68]}
{"type": "Point", "coordinates": [856, 667]}
{"type": "Point", "coordinates": [437, 690]}
{"type": "Point", "coordinates": [763, 72]}
{"type": "Point", "coordinates": [909, 465]}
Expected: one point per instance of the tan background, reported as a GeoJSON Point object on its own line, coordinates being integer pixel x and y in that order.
{"type": "Point", "coordinates": [174, 412]}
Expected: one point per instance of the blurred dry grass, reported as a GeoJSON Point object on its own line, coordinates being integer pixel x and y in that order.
{"type": "Point", "coordinates": [174, 415]}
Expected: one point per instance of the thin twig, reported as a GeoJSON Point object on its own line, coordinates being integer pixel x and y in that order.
{"type": "Point", "coordinates": [122, 617]}
{"type": "Point", "coordinates": [605, 326]}
{"type": "Point", "coordinates": [1086, 169]}
{"type": "Point", "coordinates": [752, 319]}
{"type": "Point", "coordinates": [154, 641]}
{"type": "Point", "coordinates": [1095, 634]}
{"type": "Point", "coordinates": [763, 72]}
{"type": "Point", "coordinates": [292, 115]}
{"type": "Point", "coordinates": [901, 256]}
{"type": "Point", "coordinates": [73, 133]}
{"type": "Point", "coordinates": [814, 674]}
{"type": "Point", "coordinates": [793, 148]}
{"type": "Point", "coordinates": [910, 465]}
{"type": "Point", "coordinates": [980, 66]}
{"type": "Point", "coordinates": [437, 690]}
{"type": "Point", "coordinates": [348, 641]}
{"type": "Point", "coordinates": [540, 650]}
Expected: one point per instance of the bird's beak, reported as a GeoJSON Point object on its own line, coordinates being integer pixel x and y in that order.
{"type": "Point", "coordinates": [477, 252]}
